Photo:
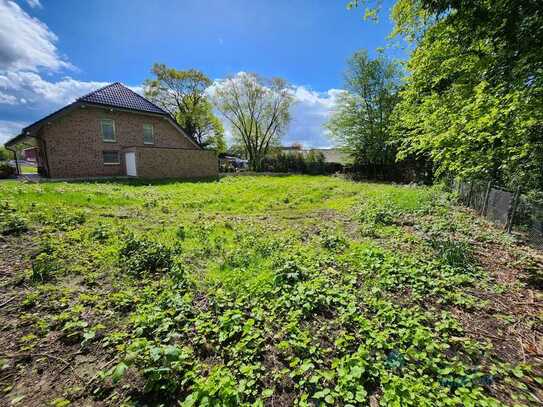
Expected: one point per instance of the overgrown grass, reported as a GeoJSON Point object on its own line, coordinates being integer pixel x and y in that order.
{"type": "Point", "coordinates": [253, 291]}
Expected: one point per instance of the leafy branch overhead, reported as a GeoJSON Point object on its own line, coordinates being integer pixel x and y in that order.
{"type": "Point", "coordinates": [473, 99]}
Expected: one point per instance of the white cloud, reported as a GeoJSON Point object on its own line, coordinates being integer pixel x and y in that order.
{"type": "Point", "coordinates": [27, 46]}
{"type": "Point", "coordinates": [34, 3]}
{"type": "Point", "coordinates": [30, 88]}
{"type": "Point", "coordinates": [9, 129]}
{"type": "Point", "coordinates": [26, 43]}
{"type": "Point", "coordinates": [6, 99]}
{"type": "Point", "coordinates": [310, 113]}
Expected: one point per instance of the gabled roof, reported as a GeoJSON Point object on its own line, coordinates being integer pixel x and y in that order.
{"type": "Point", "coordinates": [115, 95]}
{"type": "Point", "coordinates": [118, 95]}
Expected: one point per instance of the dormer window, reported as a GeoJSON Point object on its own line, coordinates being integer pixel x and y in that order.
{"type": "Point", "coordinates": [148, 134]}
{"type": "Point", "coordinates": [107, 127]}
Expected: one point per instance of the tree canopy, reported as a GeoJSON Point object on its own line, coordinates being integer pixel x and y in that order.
{"type": "Point", "coordinates": [258, 110]}
{"type": "Point", "coordinates": [361, 121]}
{"type": "Point", "coordinates": [473, 100]}
{"type": "Point", "coordinates": [183, 95]}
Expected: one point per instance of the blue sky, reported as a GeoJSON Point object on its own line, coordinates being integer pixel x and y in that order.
{"type": "Point", "coordinates": [54, 51]}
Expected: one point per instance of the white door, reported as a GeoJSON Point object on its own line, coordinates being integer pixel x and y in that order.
{"type": "Point", "coordinates": [130, 159]}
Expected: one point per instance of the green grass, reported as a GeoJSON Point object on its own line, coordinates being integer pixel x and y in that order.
{"type": "Point", "coordinates": [250, 291]}
{"type": "Point", "coordinates": [28, 169]}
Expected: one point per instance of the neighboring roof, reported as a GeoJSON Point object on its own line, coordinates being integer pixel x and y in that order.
{"type": "Point", "coordinates": [118, 95]}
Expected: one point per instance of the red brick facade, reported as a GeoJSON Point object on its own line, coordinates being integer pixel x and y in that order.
{"type": "Point", "coordinates": [74, 146]}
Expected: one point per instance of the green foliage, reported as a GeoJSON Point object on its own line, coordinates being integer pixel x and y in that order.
{"type": "Point", "coordinates": [375, 214]}
{"type": "Point", "coordinates": [310, 162]}
{"type": "Point", "coordinates": [141, 255]}
{"type": "Point", "coordinates": [218, 389]}
{"type": "Point", "coordinates": [12, 223]}
{"type": "Point", "coordinates": [473, 99]}
{"type": "Point", "coordinates": [6, 170]}
{"type": "Point", "coordinates": [44, 266]}
{"type": "Point", "coordinates": [472, 103]}
{"type": "Point", "coordinates": [181, 232]}
{"type": "Point", "coordinates": [361, 122]}
{"type": "Point", "coordinates": [182, 94]}
{"type": "Point", "coordinates": [253, 290]}
{"type": "Point", "coordinates": [5, 155]}
{"type": "Point", "coordinates": [454, 253]}
{"type": "Point", "coordinates": [100, 233]}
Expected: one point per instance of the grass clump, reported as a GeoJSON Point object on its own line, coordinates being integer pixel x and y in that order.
{"type": "Point", "coordinates": [11, 223]}
{"type": "Point", "coordinates": [141, 255]}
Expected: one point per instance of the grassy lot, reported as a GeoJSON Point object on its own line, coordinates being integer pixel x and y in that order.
{"type": "Point", "coordinates": [28, 169]}
{"type": "Point", "coordinates": [262, 291]}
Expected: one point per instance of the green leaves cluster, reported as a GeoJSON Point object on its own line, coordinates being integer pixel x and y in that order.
{"type": "Point", "coordinates": [473, 99]}
{"type": "Point", "coordinates": [362, 119]}
{"type": "Point", "coordinates": [183, 95]}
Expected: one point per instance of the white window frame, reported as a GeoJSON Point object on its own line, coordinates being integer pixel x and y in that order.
{"type": "Point", "coordinates": [102, 121]}
{"type": "Point", "coordinates": [152, 133]}
{"type": "Point", "coordinates": [111, 163]}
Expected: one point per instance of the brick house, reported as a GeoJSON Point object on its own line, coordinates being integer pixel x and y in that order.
{"type": "Point", "coordinates": [113, 131]}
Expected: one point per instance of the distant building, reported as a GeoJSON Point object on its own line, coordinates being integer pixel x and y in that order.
{"type": "Point", "coordinates": [30, 154]}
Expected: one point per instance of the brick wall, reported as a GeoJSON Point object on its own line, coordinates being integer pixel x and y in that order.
{"type": "Point", "coordinates": [74, 143]}
{"type": "Point", "coordinates": [153, 162]}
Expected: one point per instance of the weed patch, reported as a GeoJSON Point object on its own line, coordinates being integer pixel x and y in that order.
{"type": "Point", "coordinates": [253, 291]}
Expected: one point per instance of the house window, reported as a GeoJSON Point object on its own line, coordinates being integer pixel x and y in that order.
{"type": "Point", "coordinates": [111, 157]}
{"type": "Point", "coordinates": [108, 130]}
{"type": "Point", "coordinates": [148, 134]}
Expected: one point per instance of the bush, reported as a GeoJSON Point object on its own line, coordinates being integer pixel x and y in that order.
{"type": "Point", "coordinates": [139, 256]}
{"type": "Point", "coordinates": [309, 163]}
{"type": "Point", "coordinates": [217, 389]}
{"type": "Point", "coordinates": [378, 213]}
{"type": "Point", "coordinates": [181, 232]}
{"type": "Point", "coordinates": [6, 170]}
{"type": "Point", "coordinates": [100, 233]}
{"type": "Point", "coordinates": [333, 242]}
{"type": "Point", "coordinates": [289, 272]}
{"type": "Point", "coordinates": [12, 224]}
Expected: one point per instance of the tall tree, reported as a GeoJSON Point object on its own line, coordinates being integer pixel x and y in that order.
{"type": "Point", "coordinates": [183, 95]}
{"type": "Point", "coordinates": [361, 120]}
{"type": "Point", "coordinates": [258, 110]}
{"type": "Point", "coordinates": [474, 97]}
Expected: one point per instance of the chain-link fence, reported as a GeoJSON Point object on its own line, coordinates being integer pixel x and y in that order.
{"type": "Point", "coordinates": [509, 209]}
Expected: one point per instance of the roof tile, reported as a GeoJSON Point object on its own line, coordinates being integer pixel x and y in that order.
{"type": "Point", "coordinates": [118, 95]}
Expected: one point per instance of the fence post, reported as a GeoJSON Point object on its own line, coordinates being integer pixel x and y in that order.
{"type": "Point", "coordinates": [470, 193]}
{"type": "Point", "coordinates": [512, 209]}
{"type": "Point", "coordinates": [487, 194]}
{"type": "Point", "coordinates": [459, 192]}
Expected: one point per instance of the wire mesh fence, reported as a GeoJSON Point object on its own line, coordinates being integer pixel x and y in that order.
{"type": "Point", "coordinates": [508, 209]}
